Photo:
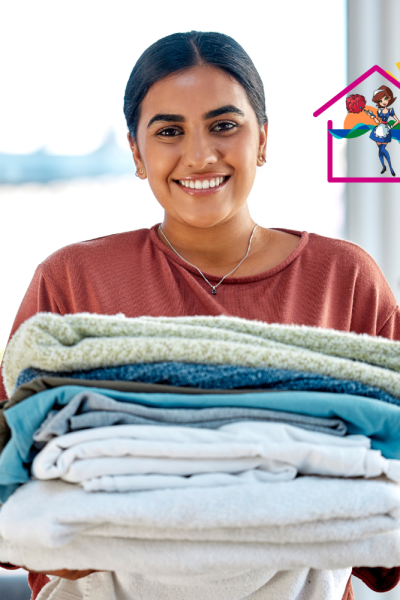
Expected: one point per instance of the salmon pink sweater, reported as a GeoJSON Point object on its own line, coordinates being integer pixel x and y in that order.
{"type": "Point", "coordinates": [324, 282]}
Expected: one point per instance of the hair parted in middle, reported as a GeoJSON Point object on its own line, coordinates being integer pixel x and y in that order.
{"type": "Point", "coordinates": [180, 51]}
{"type": "Point", "coordinates": [381, 93]}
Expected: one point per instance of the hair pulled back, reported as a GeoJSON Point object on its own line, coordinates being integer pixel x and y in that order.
{"type": "Point", "coordinates": [181, 51]}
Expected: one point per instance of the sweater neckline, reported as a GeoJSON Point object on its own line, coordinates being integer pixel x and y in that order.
{"type": "Point", "coordinates": [233, 280]}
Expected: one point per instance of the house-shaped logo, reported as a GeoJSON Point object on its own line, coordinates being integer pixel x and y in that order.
{"type": "Point", "coordinates": [395, 135]}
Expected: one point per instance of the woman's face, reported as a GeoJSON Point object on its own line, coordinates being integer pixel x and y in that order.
{"type": "Point", "coordinates": [199, 142]}
{"type": "Point", "coordinates": [384, 101]}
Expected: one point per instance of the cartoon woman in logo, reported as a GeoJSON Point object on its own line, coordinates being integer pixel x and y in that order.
{"type": "Point", "coordinates": [381, 134]}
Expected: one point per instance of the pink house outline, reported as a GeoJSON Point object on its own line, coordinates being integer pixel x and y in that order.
{"type": "Point", "coordinates": [331, 179]}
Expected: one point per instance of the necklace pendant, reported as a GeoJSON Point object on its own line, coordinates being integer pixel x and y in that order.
{"type": "Point", "coordinates": [214, 291]}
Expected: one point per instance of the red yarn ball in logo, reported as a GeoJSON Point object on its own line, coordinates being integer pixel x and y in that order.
{"type": "Point", "coordinates": [355, 103]}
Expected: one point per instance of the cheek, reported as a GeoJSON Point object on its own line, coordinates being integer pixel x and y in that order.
{"type": "Point", "coordinates": [246, 153]}
{"type": "Point", "coordinates": [243, 151]}
{"type": "Point", "coordinates": [160, 161]}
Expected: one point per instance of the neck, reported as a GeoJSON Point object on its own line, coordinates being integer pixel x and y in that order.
{"type": "Point", "coordinates": [216, 249]}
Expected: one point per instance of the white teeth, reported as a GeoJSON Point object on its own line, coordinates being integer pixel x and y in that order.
{"type": "Point", "coordinates": [203, 184]}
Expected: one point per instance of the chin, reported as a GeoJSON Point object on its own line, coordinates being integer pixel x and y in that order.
{"type": "Point", "coordinates": [203, 221]}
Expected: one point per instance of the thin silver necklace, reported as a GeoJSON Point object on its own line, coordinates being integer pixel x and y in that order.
{"type": "Point", "coordinates": [213, 287]}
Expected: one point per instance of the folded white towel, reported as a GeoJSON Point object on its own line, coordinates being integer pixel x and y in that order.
{"type": "Point", "coordinates": [84, 341]}
{"type": "Point", "coordinates": [277, 448]}
{"type": "Point", "coordinates": [304, 584]}
{"type": "Point", "coordinates": [306, 510]}
{"type": "Point", "coordinates": [196, 563]}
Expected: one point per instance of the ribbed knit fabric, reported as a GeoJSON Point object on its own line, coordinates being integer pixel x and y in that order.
{"type": "Point", "coordinates": [324, 282]}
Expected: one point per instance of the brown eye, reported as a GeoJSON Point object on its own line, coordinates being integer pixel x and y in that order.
{"type": "Point", "coordinates": [169, 132]}
{"type": "Point", "coordinates": [224, 126]}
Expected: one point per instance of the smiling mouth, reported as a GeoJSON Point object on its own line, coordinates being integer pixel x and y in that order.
{"type": "Point", "coordinates": [202, 184]}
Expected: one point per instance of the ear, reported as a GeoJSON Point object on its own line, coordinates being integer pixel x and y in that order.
{"type": "Point", "coordinates": [262, 148]}
{"type": "Point", "coordinates": [140, 170]}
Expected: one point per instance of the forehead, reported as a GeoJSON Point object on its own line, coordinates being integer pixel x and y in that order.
{"type": "Point", "coordinates": [194, 92]}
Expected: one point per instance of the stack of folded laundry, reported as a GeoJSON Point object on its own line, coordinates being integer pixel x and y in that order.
{"type": "Point", "coordinates": [198, 447]}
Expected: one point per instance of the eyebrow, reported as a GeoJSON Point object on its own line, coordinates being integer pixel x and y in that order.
{"type": "Point", "coordinates": [169, 118]}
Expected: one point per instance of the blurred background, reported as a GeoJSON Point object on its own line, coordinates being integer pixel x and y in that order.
{"type": "Point", "coordinates": [66, 173]}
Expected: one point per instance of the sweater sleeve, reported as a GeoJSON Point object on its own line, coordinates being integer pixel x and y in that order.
{"type": "Point", "coordinates": [38, 298]}
{"type": "Point", "coordinates": [378, 579]}
{"type": "Point", "coordinates": [391, 328]}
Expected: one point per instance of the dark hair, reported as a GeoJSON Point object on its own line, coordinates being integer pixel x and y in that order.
{"type": "Point", "coordinates": [381, 93]}
{"type": "Point", "coordinates": [181, 51]}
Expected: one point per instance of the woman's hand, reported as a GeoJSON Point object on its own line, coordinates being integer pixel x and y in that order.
{"type": "Point", "coordinates": [65, 573]}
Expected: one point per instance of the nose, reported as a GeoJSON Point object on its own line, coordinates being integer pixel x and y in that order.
{"type": "Point", "coordinates": [198, 150]}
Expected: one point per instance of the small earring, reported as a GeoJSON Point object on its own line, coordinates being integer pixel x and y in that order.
{"type": "Point", "coordinates": [262, 159]}
{"type": "Point", "coordinates": [139, 172]}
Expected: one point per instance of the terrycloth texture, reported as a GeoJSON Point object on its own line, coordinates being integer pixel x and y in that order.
{"type": "Point", "coordinates": [147, 449]}
{"type": "Point", "coordinates": [306, 510]}
{"type": "Point", "coordinates": [88, 410]}
{"type": "Point", "coordinates": [217, 377]}
{"type": "Point", "coordinates": [84, 341]}
{"type": "Point", "coordinates": [305, 584]}
{"type": "Point", "coordinates": [377, 420]}
{"type": "Point", "coordinates": [177, 562]}
{"type": "Point", "coordinates": [350, 522]}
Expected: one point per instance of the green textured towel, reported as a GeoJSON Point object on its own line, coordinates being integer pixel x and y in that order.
{"type": "Point", "coordinates": [85, 341]}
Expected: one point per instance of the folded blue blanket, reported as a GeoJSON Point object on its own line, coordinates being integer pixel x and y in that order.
{"type": "Point", "coordinates": [378, 420]}
{"type": "Point", "coordinates": [218, 377]}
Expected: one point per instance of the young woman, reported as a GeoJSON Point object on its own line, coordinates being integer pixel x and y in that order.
{"type": "Point", "coordinates": [383, 98]}
{"type": "Point", "coordinates": [197, 129]}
